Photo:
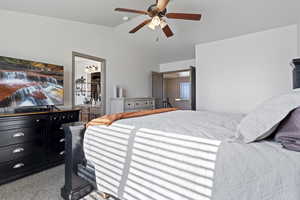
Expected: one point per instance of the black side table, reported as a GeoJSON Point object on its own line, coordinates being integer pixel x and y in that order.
{"type": "Point", "coordinates": [75, 187]}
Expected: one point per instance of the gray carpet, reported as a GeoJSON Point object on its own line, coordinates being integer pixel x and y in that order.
{"type": "Point", "coordinates": [42, 186]}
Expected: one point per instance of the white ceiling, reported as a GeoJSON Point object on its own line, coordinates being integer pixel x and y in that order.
{"type": "Point", "coordinates": [221, 19]}
{"type": "Point", "coordinates": [99, 12]}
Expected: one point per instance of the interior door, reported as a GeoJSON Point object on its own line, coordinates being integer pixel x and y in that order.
{"type": "Point", "coordinates": [193, 88]}
{"type": "Point", "coordinates": [157, 89]}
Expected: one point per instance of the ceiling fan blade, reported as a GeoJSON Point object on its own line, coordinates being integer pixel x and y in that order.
{"type": "Point", "coordinates": [162, 4]}
{"type": "Point", "coordinates": [140, 26]}
{"type": "Point", "coordinates": [184, 16]}
{"type": "Point", "coordinates": [168, 32]}
{"type": "Point", "coordinates": [132, 11]}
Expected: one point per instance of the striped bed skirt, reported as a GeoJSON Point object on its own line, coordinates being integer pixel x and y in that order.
{"type": "Point", "coordinates": [88, 173]}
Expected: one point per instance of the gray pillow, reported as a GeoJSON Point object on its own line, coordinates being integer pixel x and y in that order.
{"type": "Point", "coordinates": [264, 120]}
{"type": "Point", "coordinates": [288, 132]}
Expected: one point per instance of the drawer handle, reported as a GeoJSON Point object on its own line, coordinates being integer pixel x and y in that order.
{"type": "Point", "coordinates": [18, 135]}
{"type": "Point", "coordinates": [61, 128]}
{"type": "Point", "coordinates": [19, 165]}
{"type": "Point", "coordinates": [62, 140]}
{"type": "Point", "coordinates": [62, 153]}
{"type": "Point", "coordinates": [18, 150]}
{"type": "Point", "coordinates": [37, 120]}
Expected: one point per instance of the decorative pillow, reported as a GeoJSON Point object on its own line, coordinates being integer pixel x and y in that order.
{"type": "Point", "coordinates": [288, 132]}
{"type": "Point", "coordinates": [264, 120]}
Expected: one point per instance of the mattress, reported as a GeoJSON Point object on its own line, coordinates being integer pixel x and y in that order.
{"type": "Point", "coordinates": [187, 155]}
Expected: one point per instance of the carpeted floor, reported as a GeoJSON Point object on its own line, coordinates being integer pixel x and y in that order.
{"type": "Point", "coordinates": [42, 186]}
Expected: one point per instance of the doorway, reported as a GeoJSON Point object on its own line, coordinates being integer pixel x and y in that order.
{"type": "Point", "coordinates": [175, 89]}
{"type": "Point", "coordinates": [88, 85]}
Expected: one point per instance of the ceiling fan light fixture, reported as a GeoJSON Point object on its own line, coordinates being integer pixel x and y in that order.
{"type": "Point", "coordinates": [151, 26]}
{"type": "Point", "coordinates": [156, 21]}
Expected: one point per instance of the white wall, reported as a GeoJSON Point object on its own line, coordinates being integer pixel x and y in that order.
{"type": "Point", "coordinates": [52, 40]}
{"type": "Point", "coordinates": [178, 65]}
{"type": "Point", "coordinates": [235, 75]}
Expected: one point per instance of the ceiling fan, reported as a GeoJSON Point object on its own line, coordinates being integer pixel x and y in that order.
{"type": "Point", "coordinates": [157, 12]}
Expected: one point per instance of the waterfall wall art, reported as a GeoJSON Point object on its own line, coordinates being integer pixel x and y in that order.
{"type": "Point", "coordinates": [29, 83]}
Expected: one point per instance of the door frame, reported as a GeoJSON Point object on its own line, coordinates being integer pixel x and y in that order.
{"type": "Point", "coordinates": [193, 78]}
{"type": "Point", "coordinates": [158, 101]}
{"type": "Point", "coordinates": [103, 75]}
{"type": "Point", "coordinates": [192, 71]}
{"type": "Point", "coordinates": [171, 72]}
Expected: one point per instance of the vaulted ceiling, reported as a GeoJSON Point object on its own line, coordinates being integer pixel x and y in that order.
{"type": "Point", "coordinates": [221, 19]}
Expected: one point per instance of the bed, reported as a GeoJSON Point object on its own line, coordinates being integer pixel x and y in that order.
{"type": "Point", "coordinates": [188, 155]}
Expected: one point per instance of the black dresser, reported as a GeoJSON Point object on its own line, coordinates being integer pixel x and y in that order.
{"type": "Point", "coordinates": [32, 142]}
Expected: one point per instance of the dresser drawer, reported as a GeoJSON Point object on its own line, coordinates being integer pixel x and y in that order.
{"type": "Point", "coordinates": [20, 122]}
{"type": "Point", "coordinates": [13, 168]}
{"type": "Point", "coordinates": [57, 145]}
{"type": "Point", "coordinates": [143, 104]}
{"type": "Point", "coordinates": [150, 103]}
{"type": "Point", "coordinates": [19, 135]}
{"type": "Point", "coordinates": [57, 152]}
{"type": "Point", "coordinates": [14, 152]}
{"type": "Point", "coordinates": [140, 104]}
{"type": "Point", "coordinates": [57, 134]}
{"type": "Point", "coordinates": [129, 105]}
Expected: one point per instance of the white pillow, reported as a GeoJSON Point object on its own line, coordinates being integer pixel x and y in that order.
{"type": "Point", "coordinates": [263, 121]}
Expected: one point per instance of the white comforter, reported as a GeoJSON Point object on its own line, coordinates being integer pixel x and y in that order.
{"type": "Point", "coordinates": [185, 155]}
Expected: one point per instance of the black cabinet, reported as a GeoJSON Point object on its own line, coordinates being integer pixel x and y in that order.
{"type": "Point", "coordinates": [32, 142]}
